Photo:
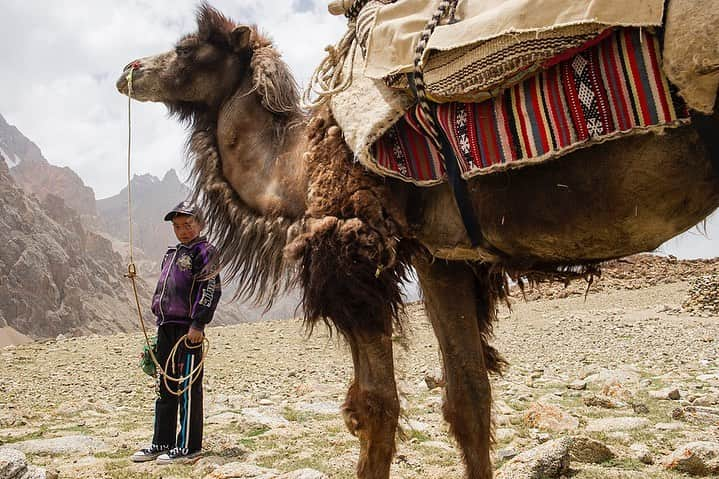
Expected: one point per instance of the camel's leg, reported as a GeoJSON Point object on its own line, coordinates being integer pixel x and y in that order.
{"type": "Point", "coordinates": [372, 406]}
{"type": "Point", "coordinates": [458, 306]}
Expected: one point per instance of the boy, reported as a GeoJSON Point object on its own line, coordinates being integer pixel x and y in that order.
{"type": "Point", "coordinates": [183, 303]}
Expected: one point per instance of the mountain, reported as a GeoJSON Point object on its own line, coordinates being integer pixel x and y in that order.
{"type": "Point", "coordinates": [55, 275]}
{"type": "Point", "coordinates": [33, 172]}
{"type": "Point", "coordinates": [152, 198]}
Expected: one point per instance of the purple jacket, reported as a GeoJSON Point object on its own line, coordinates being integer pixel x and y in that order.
{"type": "Point", "coordinates": [181, 297]}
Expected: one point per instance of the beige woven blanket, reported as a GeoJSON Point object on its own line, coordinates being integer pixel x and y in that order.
{"type": "Point", "coordinates": [397, 26]}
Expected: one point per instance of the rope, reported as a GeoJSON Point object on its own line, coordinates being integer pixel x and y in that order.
{"type": "Point", "coordinates": [421, 90]}
{"type": "Point", "coordinates": [327, 79]}
{"type": "Point", "coordinates": [132, 273]}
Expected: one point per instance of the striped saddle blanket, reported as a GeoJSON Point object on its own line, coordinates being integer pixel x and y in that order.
{"type": "Point", "coordinates": [611, 89]}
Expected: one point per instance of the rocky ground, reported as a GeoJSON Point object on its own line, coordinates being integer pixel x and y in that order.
{"type": "Point", "coordinates": [621, 384]}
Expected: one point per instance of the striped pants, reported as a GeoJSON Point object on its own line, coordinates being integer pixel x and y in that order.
{"type": "Point", "coordinates": [185, 431]}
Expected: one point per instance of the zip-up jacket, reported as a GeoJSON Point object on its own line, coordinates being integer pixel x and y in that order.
{"type": "Point", "coordinates": [182, 295]}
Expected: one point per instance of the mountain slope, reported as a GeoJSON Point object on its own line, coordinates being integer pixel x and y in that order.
{"type": "Point", "coordinates": [152, 198]}
{"type": "Point", "coordinates": [55, 276]}
{"type": "Point", "coordinates": [33, 172]}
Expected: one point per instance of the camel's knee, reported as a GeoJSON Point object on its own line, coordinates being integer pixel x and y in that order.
{"type": "Point", "coordinates": [368, 412]}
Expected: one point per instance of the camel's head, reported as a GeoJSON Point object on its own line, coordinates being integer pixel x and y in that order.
{"type": "Point", "coordinates": [207, 66]}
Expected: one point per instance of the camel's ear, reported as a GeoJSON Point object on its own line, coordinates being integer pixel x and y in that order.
{"type": "Point", "coordinates": [240, 38]}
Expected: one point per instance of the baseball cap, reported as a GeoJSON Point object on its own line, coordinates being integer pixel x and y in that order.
{"type": "Point", "coordinates": [184, 208]}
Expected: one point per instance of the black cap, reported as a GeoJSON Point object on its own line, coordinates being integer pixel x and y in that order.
{"type": "Point", "coordinates": [184, 208]}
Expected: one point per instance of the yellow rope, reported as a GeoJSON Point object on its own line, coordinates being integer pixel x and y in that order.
{"type": "Point", "coordinates": [132, 273]}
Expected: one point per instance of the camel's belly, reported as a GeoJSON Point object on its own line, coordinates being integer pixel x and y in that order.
{"type": "Point", "coordinates": [608, 201]}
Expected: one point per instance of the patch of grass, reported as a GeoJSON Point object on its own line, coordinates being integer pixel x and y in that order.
{"type": "Point", "coordinates": [416, 436]}
{"type": "Point", "coordinates": [123, 452]}
{"type": "Point", "coordinates": [257, 431]}
{"type": "Point", "coordinates": [26, 437]}
{"type": "Point", "coordinates": [625, 463]}
{"type": "Point", "coordinates": [293, 415]}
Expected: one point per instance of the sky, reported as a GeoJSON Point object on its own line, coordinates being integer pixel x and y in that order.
{"type": "Point", "coordinates": [60, 61]}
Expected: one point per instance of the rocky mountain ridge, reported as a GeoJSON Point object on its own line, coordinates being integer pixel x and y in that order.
{"type": "Point", "coordinates": [35, 174]}
{"type": "Point", "coordinates": [55, 275]}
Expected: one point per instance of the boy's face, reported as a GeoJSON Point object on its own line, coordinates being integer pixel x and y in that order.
{"type": "Point", "coordinates": [186, 228]}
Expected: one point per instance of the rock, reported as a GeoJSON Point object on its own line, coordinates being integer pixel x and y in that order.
{"type": "Point", "coordinates": [549, 417]}
{"type": "Point", "coordinates": [666, 394]}
{"type": "Point", "coordinates": [506, 453]}
{"type": "Point", "coordinates": [266, 402]}
{"type": "Point", "coordinates": [697, 414]}
{"type": "Point", "coordinates": [239, 470]}
{"type": "Point", "coordinates": [603, 401]}
{"type": "Point", "coordinates": [505, 434]}
{"type": "Point", "coordinates": [585, 449]}
{"type": "Point", "coordinates": [617, 391]}
{"type": "Point", "coordinates": [325, 408]}
{"type": "Point", "coordinates": [706, 400]}
{"type": "Point", "coordinates": [224, 418]}
{"type": "Point", "coordinates": [642, 453]}
{"type": "Point", "coordinates": [548, 461]}
{"type": "Point", "coordinates": [268, 419]}
{"type": "Point", "coordinates": [610, 376]}
{"type": "Point", "coordinates": [12, 463]}
{"type": "Point", "coordinates": [696, 458]}
{"type": "Point", "coordinates": [669, 426]}
{"type": "Point", "coordinates": [577, 385]}
{"type": "Point", "coordinates": [616, 424]}
{"type": "Point", "coordinates": [434, 379]}
{"type": "Point", "coordinates": [303, 474]}
{"type": "Point", "coordinates": [68, 445]}
{"type": "Point", "coordinates": [34, 472]}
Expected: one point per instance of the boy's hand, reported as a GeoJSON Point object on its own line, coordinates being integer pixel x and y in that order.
{"type": "Point", "coordinates": [195, 335]}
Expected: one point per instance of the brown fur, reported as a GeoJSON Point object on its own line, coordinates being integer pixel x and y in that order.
{"type": "Point", "coordinates": [285, 203]}
{"type": "Point", "coordinates": [351, 256]}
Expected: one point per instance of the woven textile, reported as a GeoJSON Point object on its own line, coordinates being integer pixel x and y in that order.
{"type": "Point", "coordinates": [613, 89]}
{"type": "Point", "coordinates": [398, 25]}
{"type": "Point", "coordinates": [478, 72]}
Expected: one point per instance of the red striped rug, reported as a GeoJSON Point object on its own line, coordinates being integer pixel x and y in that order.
{"type": "Point", "coordinates": [610, 90]}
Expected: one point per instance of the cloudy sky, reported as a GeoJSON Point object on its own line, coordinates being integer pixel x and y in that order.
{"type": "Point", "coordinates": [60, 60]}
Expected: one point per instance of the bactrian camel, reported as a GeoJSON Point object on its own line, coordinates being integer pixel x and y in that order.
{"type": "Point", "coordinates": [285, 202]}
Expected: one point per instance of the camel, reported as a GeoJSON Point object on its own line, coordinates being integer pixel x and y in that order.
{"type": "Point", "coordinates": [284, 201]}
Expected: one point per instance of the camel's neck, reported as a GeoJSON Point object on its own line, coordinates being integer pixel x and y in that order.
{"type": "Point", "coordinates": [262, 160]}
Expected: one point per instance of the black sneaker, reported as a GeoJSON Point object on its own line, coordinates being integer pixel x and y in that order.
{"type": "Point", "coordinates": [177, 455]}
{"type": "Point", "coordinates": [149, 453]}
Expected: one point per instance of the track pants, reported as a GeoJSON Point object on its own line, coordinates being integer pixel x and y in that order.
{"type": "Point", "coordinates": [187, 432]}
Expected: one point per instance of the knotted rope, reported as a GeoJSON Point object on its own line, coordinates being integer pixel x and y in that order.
{"type": "Point", "coordinates": [132, 274]}
{"type": "Point", "coordinates": [328, 78]}
{"type": "Point", "coordinates": [429, 123]}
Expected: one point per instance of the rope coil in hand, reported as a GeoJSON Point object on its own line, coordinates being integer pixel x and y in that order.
{"type": "Point", "coordinates": [132, 273]}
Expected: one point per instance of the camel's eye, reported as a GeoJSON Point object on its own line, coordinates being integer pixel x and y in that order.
{"type": "Point", "coordinates": [183, 51]}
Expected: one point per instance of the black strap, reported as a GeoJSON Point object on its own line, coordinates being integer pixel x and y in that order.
{"type": "Point", "coordinates": [457, 183]}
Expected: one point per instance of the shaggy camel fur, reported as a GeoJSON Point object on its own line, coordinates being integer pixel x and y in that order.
{"type": "Point", "coordinates": [285, 203]}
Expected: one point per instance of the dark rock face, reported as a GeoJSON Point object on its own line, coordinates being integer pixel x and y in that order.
{"type": "Point", "coordinates": [56, 276]}
{"type": "Point", "coordinates": [33, 172]}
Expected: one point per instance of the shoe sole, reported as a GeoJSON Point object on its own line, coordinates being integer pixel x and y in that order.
{"type": "Point", "coordinates": [180, 460]}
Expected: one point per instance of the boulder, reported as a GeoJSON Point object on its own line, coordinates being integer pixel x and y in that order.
{"type": "Point", "coordinates": [588, 450]}
{"type": "Point", "coordinates": [696, 458]}
{"type": "Point", "coordinates": [547, 461]}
